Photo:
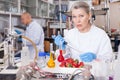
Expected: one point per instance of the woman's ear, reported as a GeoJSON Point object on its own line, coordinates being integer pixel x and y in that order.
{"type": "Point", "coordinates": [90, 18]}
{"type": "Point", "coordinates": [90, 15]}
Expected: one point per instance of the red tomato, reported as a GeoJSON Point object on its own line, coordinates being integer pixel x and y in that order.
{"type": "Point", "coordinates": [69, 60]}
{"type": "Point", "coordinates": [81, 64]}
{"type": "Point", "coordinates": [69, 65]}
{"type": "Point", "coordinates": [63, 64]}
{"type": "Point", "coordinates": [75, 64]}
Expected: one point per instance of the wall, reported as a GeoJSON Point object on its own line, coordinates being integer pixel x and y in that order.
{"type": "Point", "coordinates": [114, 16]}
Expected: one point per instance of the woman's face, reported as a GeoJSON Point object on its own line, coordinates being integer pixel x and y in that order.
{"type": "Point", "coordinates": [81, 19]}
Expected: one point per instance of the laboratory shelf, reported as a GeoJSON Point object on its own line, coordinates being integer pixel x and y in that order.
{"type": "Point", "coordinates": [37, 8]}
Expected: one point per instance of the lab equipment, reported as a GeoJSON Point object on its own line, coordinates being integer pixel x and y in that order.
{"type": "Point", "coordinates": [18, 32]}
{"type": "Point", "coordinates": [73, 48]}
{"type": "Point", "coordinates": [8, 47]}
{"type": "Point", "coordinates": [34, 45]}
{"type": "Point", "coordinates": [41, 60]}
{"type": "Point", "coordinates": [59, 41]}
{"type": "Point", "coordinates": [51, 47]}
{"type": "Point", "coordinates": [62, 43]}
{"type": "Point", "coordinates": [19, 40]}
{"type": "Point", "coordinates": [4, 49]}
{"type": "Point", "coordinates": [1, 38]}
{"type": "Point", "coordinates": [25, 57]}
{"type": "Point", "coordinates": [60, 57]}
{"type": "Point", "coordinates": [33, 72]}
{"type": "Point", "coordinates": [51, 63]}
{"type": "Point", "coordinates": [87, 57]}
{"type": "Point", "coordinates": [47, 57]}
{"type": "Point", "coordinates": [80, 77]}
{"type": "Point", "coordinates": [26, 72]}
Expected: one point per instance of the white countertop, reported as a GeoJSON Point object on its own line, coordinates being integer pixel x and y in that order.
{"type": "Point", "coordinates": [9, 71]}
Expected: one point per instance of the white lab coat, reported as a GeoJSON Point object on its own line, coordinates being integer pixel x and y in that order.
{"type": "Point", "coordinates": [116, 66]}
{"type": "Point", "coordinates": [35, 32]}
{"type": "Point", "coordinates": [115, 69]}
{"type": "Point", "coordinates": [96, 41]}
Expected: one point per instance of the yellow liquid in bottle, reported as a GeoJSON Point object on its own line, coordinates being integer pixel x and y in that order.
{"type": "Point", "coordinates": [51, 63]}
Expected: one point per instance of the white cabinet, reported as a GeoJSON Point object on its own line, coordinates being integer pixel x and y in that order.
{"type": "Point", "coordinates": [37, 8]}
{"type": "Point", "coordinates": [46, 9]}
{"type": "Point", "coordinates": [51, 8]}
{"type": "Point", "coordinates": [32, 7]}
{"type": "Point", "coordinates": [9, 6]}
{"type": "Point", "coordinates": [40, 8]}
{"type": "Point", "coordinates": [43, 8]}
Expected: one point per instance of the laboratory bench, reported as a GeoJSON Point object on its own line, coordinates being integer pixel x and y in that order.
{"type": "Point", "coordinates": [58, 73]}
{"type": "Point", "coordinates": [8, 74]}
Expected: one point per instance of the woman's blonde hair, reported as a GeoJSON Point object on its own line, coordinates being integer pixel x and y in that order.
{"type": "Point", "coordinates": [80, 4]}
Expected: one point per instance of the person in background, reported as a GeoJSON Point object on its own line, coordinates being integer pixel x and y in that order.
{"type": "Point", "coordinates": [90, 44]}
{"type": "Point", "coordinates": [33, 31]}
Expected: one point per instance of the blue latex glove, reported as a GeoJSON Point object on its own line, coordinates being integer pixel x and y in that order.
{"type": "Point", "coordinates": [18, 32]}
{"type": "Point", "coordinates": [59, 41]}
{"type": "Point", "coordinates": [88, 57]}
{"type": "Point", "coordinates": [19, 39]}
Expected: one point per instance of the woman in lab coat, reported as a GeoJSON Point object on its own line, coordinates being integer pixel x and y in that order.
{"type": "Point", "coordinates": [87, 40]}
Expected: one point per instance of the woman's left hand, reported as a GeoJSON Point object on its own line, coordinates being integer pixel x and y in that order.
{"type": "Point", "coordinates": [88, 57]}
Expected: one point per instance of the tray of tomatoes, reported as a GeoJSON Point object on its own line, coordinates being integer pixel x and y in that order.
{"type": "Point", "coordinates": [71, 63]}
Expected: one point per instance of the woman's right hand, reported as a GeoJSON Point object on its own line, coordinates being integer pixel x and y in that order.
{"type": "Point", "coordinates": [59, 41]}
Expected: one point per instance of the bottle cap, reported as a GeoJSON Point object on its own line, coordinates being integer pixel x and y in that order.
{"type": "Point", "coordinates": [47, 54]}
{"type": "Point", "coordinates": [42, 54]}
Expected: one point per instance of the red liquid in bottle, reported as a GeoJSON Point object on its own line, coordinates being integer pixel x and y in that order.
{"type": "Point", "coordinates": [60, 57]}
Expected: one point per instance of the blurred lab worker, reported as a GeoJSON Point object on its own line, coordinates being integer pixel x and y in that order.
{"type": "Point", "coordinates": [87, 42]}
{"type": "Point", "coordinates": [33, 31]}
